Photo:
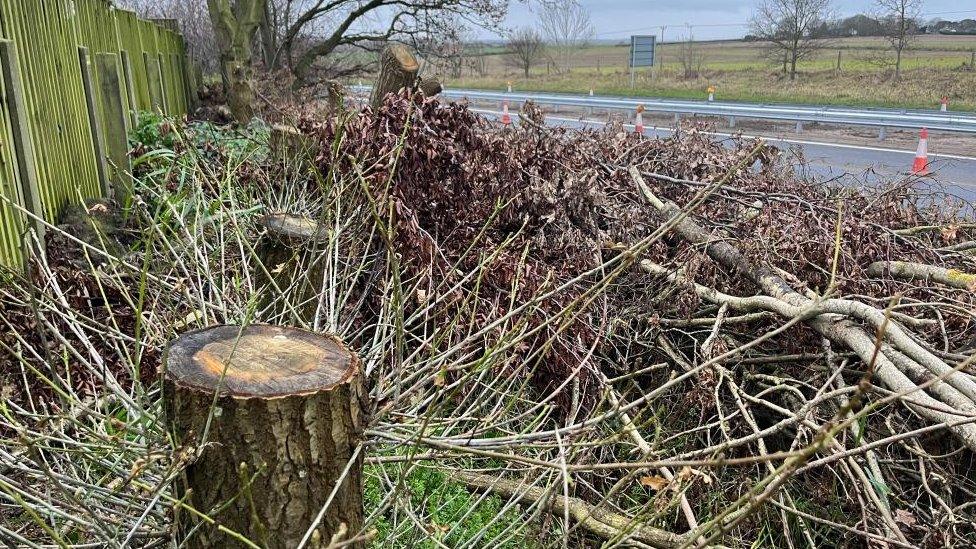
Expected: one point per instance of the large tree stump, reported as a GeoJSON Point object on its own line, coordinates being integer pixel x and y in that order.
{"type": "Point", "coordinates": [398, 70]}
{"type": "Point", "coordinates": [290, 266]}
{"type": "Point", "coordinates": [282, 413]}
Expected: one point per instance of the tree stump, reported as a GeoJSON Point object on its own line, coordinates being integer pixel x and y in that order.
{"type": "Point", "coordinates": [290, 266]}
{"type": "Point", "coordinates": [336, 98]}
{"type": "Point", "coordinates": [431, 86]}
{"type": "Point", "coordinates": [287, 419]}
{"type": "Point", "coordinates": [398, 70]}
{"type": "Point", "coordinates": [292, 148]}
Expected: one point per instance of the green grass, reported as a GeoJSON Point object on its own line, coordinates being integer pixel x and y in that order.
{"type": "Point", "coordinates": [919, 89]}
{"type": "Point", "coordinates": [447, 512]}
{"type": "Point", "coordinates": [935, 66]}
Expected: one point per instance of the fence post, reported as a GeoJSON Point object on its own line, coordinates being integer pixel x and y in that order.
{"type": "Point", "coordinates": [163, 83]}
{"type": "Point", "coordinates": [283, 412]}
{"type": "Point", "coordinates": [116, 130]}
{"type": "Point", "coordinates": [93, 122]}
{"type": "Point", "coordinates": [130, 89]}
{"type": "Point", "coordinates": [22, 145]}
{"type": "Point", "coordinates": [155, 79]}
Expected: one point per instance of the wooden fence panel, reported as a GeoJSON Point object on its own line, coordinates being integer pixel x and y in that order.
{"type": "Point", "coordinates": [47, 35]}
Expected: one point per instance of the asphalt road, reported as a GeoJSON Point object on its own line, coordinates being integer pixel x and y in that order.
{"type": "Point", "coordinates": [850, 164]}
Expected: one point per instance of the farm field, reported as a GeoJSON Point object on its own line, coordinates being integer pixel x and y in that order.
{"type": "Point", "coordinates": [935, 66]}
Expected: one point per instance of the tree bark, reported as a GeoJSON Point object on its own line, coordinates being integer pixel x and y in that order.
{"type": "Point", "coordinates": [919, 271]}
{"type": "Point", "coordinates": [289, 268]}
{"type": "Point", "coordinates": [273, 418]}
{"type": "Point", "coordinates": [398, 70]}
{"type": "Point", "coordinates": [234, 28]}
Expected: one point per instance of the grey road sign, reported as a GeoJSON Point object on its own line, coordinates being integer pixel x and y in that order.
{"type": "Point", "coordinates": [642, 51]}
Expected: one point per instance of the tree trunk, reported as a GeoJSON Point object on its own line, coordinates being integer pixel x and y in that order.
{"type": "Point", "coordinates": [269, 44]}
{"type": "Point", "coordinates": [398, 70]}
{"type": "Point", "coordinates": [234, 28]}
{"type": "Point", "coordinates": [273, 418]}
{"type": "Point", "coordinates": [290, 260]}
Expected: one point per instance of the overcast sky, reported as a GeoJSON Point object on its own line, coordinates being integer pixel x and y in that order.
{"type": "Point", "coordinates": [710, 19]}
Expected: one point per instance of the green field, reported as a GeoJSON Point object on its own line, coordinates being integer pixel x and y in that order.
{"type": "Point", "coordinates": [936, 65]}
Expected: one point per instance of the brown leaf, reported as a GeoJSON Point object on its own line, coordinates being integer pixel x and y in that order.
{"type": "Point", "coordinates": [904, 517]}
{"type": "Point", "coordinates": [656, 482]}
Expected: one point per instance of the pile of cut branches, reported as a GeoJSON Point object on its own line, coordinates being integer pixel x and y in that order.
{"type": "Point", "coordinates": [775, 313]}
{"type": "Point", "coordinates": [643, 342]}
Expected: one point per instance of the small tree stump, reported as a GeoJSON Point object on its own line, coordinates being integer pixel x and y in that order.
{"type": "Point", "coordinates": [398, 70]}
{"type": "Point", "coordinates": [292, 148]}
{"type": "Point", "coordinates": [290, 266]}
{"type": "Point", "coordinates": [287, 417]}
{"type": "Point", "coordinates": [431, 86]}
{"type": "Point", "coordinates": [336, 98]}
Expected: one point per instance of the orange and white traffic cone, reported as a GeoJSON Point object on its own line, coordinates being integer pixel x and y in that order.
{"type": "Point", "coordinates": [509, 87]}
{"type": "Point", "coordinates": [711, 94]}
{"type": "Point", "coordinates": [639, 122]}
{"type": "Point", "coordinates": [921, 164]}
{"type": "Point", "coordinates": [945, 104]}
{"type": "Point", "coordinates": [506, 118]}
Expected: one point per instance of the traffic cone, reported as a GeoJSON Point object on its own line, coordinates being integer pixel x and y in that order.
{"type": "Point", "coordinates": [921, 164]}
{"type": "Point", "coordinates": [509, 87]}
{"type": "Point", "coordinates": [506, 118]}
{"type": "Point", "coordinates": [591, 92]}
{"type": "Point", "coordinates": [639, 122]}
{"type": "Point", "coordinates": [711, 93]}
{"type": "Point", "coordinates": [945, 104]}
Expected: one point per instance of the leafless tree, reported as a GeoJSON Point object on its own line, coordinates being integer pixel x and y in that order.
{"type": "Point", "coordinates": [449, 52]}
{"type": "Point", "coordinates": [567, 27]}
{"type": "Point", "coordinates": [194, 23]}
{"type": "Point", "coordinates": [899, 25]}
{"type": "Point", "coordinates": [301, 33]}
{"type": "Point", "coordinates": [691, 58]}
{"type": "Point", "coordinates": [525, 49]}
{"type": "Point", "coordinates": [788, 27]}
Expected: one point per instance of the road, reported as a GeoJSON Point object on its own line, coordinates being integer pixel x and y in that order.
{"type": "Point", "coordinates": [852, 164]}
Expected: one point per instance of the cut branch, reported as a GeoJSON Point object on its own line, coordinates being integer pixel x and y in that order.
{"type": "Point", "coordinates": [606, 524]}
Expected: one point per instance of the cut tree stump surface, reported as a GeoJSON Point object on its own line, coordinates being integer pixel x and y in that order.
{"type": "Point", "coordinates": [258, 361]}
{"type": "Point", "coordinates": [274, 418]}
{"type": "Point", "coordinates": [294, 226]}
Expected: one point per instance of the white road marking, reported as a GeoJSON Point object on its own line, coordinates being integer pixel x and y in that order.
{"type": "Point", "coordinates": [780, 139]}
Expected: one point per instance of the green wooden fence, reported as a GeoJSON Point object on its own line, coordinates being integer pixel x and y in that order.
{"type": "Point", "coordinates": [74, 75]}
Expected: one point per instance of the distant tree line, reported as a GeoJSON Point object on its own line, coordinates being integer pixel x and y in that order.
{"type": "Point", "coordinates": [867, 25]}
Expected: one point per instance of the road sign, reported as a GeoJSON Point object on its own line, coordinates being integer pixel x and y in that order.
{"type": "Point", "coordinates": [642, 51]}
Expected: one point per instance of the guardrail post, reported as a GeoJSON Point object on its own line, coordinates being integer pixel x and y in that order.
{"type": "Point", "coordinates": [731, 121]}
{"type": "Point", "coordinates": [22, 145]}
{"type": "Point", "coordinates": [116, 129]}
{"type": "Point", "coordinates": [93, 122]}
{"type": "Point", "coordinates": [799, 126]}
{"type": "Point", "coordinates": [882, 133]}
